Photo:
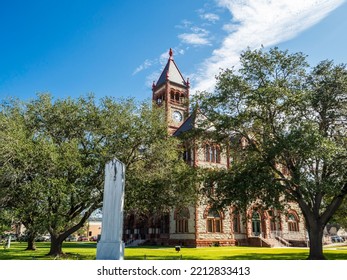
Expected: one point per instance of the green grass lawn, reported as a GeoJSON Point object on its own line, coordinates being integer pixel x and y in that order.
{"type": "Point", "coordinates": [229, 253]}
{"type": "Point", "coordinates": [87, 251]}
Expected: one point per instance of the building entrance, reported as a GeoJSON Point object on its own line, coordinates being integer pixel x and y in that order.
{"type": "Point", "coordinates": [256, 228]}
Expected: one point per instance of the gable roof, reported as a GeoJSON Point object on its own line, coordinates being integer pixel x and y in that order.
{"type": "Point", "coordinates": [171, 73]}
{"type": "Point", "coordinates": [196, 120]}
{"type": "Point", "coordinates": [187, 125]}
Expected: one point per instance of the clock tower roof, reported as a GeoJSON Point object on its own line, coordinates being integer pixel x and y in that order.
{"type": "Point", "coordinates": [171, 73]}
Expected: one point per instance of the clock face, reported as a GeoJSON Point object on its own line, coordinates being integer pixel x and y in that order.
{"type": "Point", "coordinates": [177, 116]}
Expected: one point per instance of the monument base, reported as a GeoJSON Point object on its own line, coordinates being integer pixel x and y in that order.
{"type": "Point", "coordinates": [110, 250]}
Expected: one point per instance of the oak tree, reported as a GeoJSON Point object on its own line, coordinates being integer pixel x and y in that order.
{"type": "Point", "coordinates": [292, 119]}
{"type": "Point", "coordinates": [53, 154]}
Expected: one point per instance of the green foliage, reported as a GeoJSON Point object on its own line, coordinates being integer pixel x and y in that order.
{"type": "Point", "coordinates": [53, 154]}
{"type": "Point", "coordinates": [5, 221]}
{"type": "Point", "coordinates": [340, 216]}
{"type": "Point", "coordinates": [288, 123]}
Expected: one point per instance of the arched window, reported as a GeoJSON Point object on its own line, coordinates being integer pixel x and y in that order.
{"type": "Point", "coordinates": [236, 221]}
{"type": "Point", "coordinates": [293, 222]}
{"type": "Point", "coordinates": [182, 217]}
{"type": "Point", "coordinates": [177, 96]}
{"type": "Point", "coordinates": [207, 152]}
{"type": "Point", "coordinates": [256, 223]}
{"type": "Point", "coordinates": [160, 99]}
{"type": "Point", "coordinates": [214, 221]}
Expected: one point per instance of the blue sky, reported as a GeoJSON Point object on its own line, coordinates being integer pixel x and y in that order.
{"type": "Point", "coordinates": [118, 48]}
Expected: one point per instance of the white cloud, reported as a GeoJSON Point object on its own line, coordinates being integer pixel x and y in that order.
{"type": "Point", "coordinates": [256, 23]}
{"type": "Point", "coordinates": [152, 78]}
{"type": "Point", "coordinates": [146, 64]}
{"type": "Point", "coordinates": [210, 17]}
{"type": "Point", "coordinates": [162, 60]}
{"type": "Point", "coordinates": [199, 30]}
{"type": "Point", "coordinates": [184, 24]}
{"type": "Point", "coordinates": [194, 38]}
{"type": "Point", "coordinates": [197, 36]}
{"type": "Point", "coordinates": [180, 51]}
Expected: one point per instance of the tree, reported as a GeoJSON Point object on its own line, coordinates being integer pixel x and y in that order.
{"type": "Point", "coordinates": [20, 159]}
{"type": "Point", "coordinates": [57, 158]}
{"type": "Point", "coordinates": [293, 121]}
{"type": "Point", "coordinates": [5, 222]}
{"type": "Point", "coordinates": [340, 216]}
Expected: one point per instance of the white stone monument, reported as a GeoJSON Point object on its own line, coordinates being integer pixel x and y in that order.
{"type": "Point", "coordinates": [110, 245]}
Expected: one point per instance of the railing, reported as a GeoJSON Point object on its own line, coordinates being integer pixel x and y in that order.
{"type": "Point", "coordinates": [283, 241]}
{"type": "Point", "coordinates": [134, 242]}
{"type": "Point", "coordinates": [293, 235]}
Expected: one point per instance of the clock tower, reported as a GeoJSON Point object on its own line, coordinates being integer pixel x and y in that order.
{"type": "Point", "coordinates": [172, 92]}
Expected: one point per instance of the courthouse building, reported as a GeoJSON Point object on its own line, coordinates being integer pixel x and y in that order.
{"type": "Point", "coordinates": [201, 225]}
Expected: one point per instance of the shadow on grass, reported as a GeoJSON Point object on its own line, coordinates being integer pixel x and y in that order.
{"type": "Point", "coordinates": [87, 251]}
{"type": "Point", "coordinates": [78, 245]}
{"type": "Point", "coordinates": [254, 256]}
{"type": "Point", "coordinates": [234, 257]}
{"type": "Point", "coordinates": [72, 251]}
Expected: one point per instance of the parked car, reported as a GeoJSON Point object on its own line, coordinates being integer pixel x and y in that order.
{"type": "Point", "coordinates": [71, 238]}
{"type": "Point", "coordinates": [43, 238]}
{"type": "Point", "coordinates": [93, 238]}
{"type": "Point", "coordinates": [82, 238]}
{"type": "Point", "coordinates": [336, 238]}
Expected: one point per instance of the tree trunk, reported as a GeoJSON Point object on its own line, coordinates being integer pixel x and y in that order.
{"type": "Point", "coordinates": [56, 248]}
{"type": "Point", "coordinates": [31, 240]}
{"type": "Point", "coordinates": [316, 242]}
{"type": "Point", "coordinates": [316, 222]}
{"type": "Point", "coordinates": [31, 243]}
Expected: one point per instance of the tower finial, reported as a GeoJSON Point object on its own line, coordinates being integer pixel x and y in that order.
{"type": "Point", "coordinates": [171, 53]}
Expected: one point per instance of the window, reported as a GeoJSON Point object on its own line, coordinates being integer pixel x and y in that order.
{"type": "Point", "coordinates": [212, 153]}
{"type": "Point", "coordinates": [207, 152]}
{"type": "Point", "coordinates": [187, 155]}
{"type": "Point", "coordinates": [236, 222]}
{"type": "Point", "coordinates": [256, 224]}
{"type": "Point", "coordinates": [159, 98]}
{"type": "Point", "coordinates": [274, 220]}
{"type": "Point", "coordinates": [182, 217]}
{"type": "Point", "coordinates": [177, 97]}
{"type": "Point", "coordinates": [181, 226]}
{"type": "Point", "coordinates": [159, 101]}
{"type": "Point", "coordinates": [214, 223]}
{"type": "Point", "coordinates": [165, 224]}
{"type": "Point", "coordinates": [293, 223]}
